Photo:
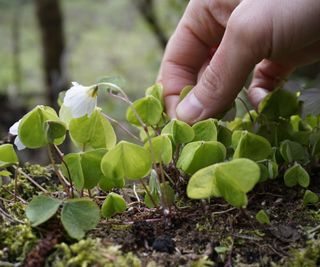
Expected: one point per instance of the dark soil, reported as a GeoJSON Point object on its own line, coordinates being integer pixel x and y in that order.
{"type": "Point", "coordinates": [193, 230]}
{"type": "Point", "coordinates": [228, 236]}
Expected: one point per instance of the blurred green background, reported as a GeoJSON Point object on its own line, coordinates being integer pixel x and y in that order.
{"type": "Point", "coordinates": [97, 38]}
{"type": "Point", "coordinates": [46, 44]}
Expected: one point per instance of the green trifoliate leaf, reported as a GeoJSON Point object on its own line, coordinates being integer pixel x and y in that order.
{"type": "Point", "coordinates": [156, 91]}
{"type": "Point", "coordinates": [112, 205]}
{"type": "Point", "coordinates": [148, 108]}
{"type": "Point", "coordinates": [185, 90]}
{"type": "Point", "coordinates": [94, 131]}
{"type": "Point", "coordinates": [55, 130]}
{"type": "Point", "coordinates": [224, 135]}
{"type": "Point", "coordinates": [79, 216]}
{"type": "Point", "coordinates": [203, 184]}
{"type": "Point", "coordinates": [262, 217]}
{"type": "Point", "coordinates": [126, 160]}
{"type": "Point", "coordinates": [310, 197]}
{"type": "Point", "coordinates": [231, 180]}
{"type": "Point", "coordinates": [84, 168]}
{"type": "Point", "coordinates": [112, 180]}
{"type": "Point", "coordinates": [73, 161]}
{"type": "Point", "coordinates": [236, 178]}
{"type": "Point", "coordinates": [197, 155]}
{"type": "Point", "coordinates": [251, 146]}
{"type": "Point", "coordinates": [296, 175]}
{"type": "Point", "coordinates": [205, 130]}
{"type": "Point", "coordinates": [42, 208]}
{"type": "Point", "coordinates": [293, 151]}
{"type": "Point", "coordinates": [40, 127]}
{"type": "Point", "coordinates": [8, 156]}
{"type": "Point", "coordinates": [179, 131]}
{"type": "Point", "coordinates": [161, 149]}
{"type": "Point", "coordinates": [273, 107]}
{"type": "Point", "coordinates": [91, 167]}
{"type": "Point", "coordinates": [264, 174]}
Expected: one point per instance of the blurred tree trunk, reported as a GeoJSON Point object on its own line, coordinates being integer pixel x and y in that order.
{"type": "Point", "coordinates": [147, 10]}
{"type": "Point", "coordinates": [50, 21]}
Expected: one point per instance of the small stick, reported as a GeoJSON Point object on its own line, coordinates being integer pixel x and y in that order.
{"type": "Point", "coordinates": [12, 194]}
{"type": "Point", "coordinates": [135, 192]}
{"type": "Point", "coordinates": [31, 180]}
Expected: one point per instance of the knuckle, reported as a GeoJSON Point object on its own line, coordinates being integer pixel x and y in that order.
{"type": "Point", "coordinates": [210, 85]}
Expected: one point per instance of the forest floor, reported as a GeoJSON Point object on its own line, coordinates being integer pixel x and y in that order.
{"type": "Point", "coordinates": [193, 234]}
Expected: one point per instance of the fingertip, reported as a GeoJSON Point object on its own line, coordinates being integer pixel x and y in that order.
{"type": "Point", "coordinates": [256, 95]}
{"type": "Point", "coordinates": [190, 109]}
{"type": "Point", "coordinates": [171, 102]}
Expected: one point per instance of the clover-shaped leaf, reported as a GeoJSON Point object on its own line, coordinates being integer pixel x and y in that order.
{"type": "Point", "coordinates": [251, 146]}
{"type": "Point", "coordinates": [84, 168]}
{"type": "Point", "coordinates": [78, 216]}
{"type": "Point", "coordinates": [236, 178]}
{"type": "Point", "coordinates": [296, 175]}
{"type": "Point", "coordinates": [231, 180]}
{"type": "Point", "coordinates": [273, 107]}
{"type": "Point", "coordinates": [205, 130]}
{"type": "Point", "coordinates": [161, 149]}
{"type": "Point", "coordinates": [179, 131]}
{"type": "Point", "coordinates": [310, 197]}
{"type": "Point", "coordinates": [156, 91]}
{"type": "Point", "coordinates": [8, 156]}
{"type": "Point", "coordinates": [200, 154]}
{"type": "Point", "coordinates": [292, 151]}
{"type": "Point", "coordinates": [42, 208]}
{"type": "Point", "coordinates": [94, 131]}
{"type": "Point", "coordinates": [40, 127]}
{"type": "Point", "coordinates": [148, 108]}
{"type": "Point", "coordinates": [262, 217]}
{"type": "Point", "coordinates": [224, 135]}
{"type": "Point", "coordinates": [203, 184]}
{"type": "Point", "coordinates": [126, 160]}
{"type": "Point", "coordinates": [112, 205]}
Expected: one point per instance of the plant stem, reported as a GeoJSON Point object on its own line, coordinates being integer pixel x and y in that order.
{"type": "Point", "coordinates": [123, 128]}
{"type": "Point", "coordinates": [60, 155]}
{"type": "Point", "coordinates": [15, 184]}
{"type": "Point", "coordinates": [246, 108]}
{"type": "Point", "coordinates": [58, 172]}
{"type": "Point", "coordinates": [148, 192]}
{"type": "Point", "coordinates": [126, 99]}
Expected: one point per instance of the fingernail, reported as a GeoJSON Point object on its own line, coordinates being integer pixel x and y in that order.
{"type": "Point", "coordinates": [189, 109]}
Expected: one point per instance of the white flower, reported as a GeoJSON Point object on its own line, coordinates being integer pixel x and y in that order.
{"type": "Point", "coordinates": [14, 131]}
{"type": "Point", "coordinates": [81, 100]}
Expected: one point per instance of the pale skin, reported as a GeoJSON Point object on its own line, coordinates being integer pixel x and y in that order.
{"type": "Point", "coordinates": [218, 43]}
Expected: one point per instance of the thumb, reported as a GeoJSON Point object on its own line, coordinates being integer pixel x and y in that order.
{"type": "Point", "coordinates": [224, 76]}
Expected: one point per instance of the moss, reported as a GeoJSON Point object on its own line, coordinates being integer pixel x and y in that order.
{"type": "Point", "coordinates": [91, 252]}
{"type": "Point", "coordinates": [15, 241]}
{"type": "Point", "coordinates": [306, 257]}
{"type": "Point", "coordinates": [36, 170]}
{"type": "Point", "coordinates": [23, 187]}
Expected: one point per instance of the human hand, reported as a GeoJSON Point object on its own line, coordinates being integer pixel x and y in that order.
{"type": "Point", "coordinates": [272, 37]}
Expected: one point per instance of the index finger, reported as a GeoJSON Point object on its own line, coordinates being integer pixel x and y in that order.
{"type": "Point", "coordinates": [189, 47]}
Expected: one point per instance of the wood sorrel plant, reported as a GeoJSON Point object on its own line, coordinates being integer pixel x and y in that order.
{"type": "Point", "coordinates": [216, 158]}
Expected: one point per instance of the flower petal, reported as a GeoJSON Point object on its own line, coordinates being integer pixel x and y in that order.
{"type": "Point", "coordinates": [19, 144]}
{"type": "Point", "coordinates": [14, 128]}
